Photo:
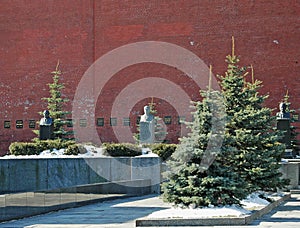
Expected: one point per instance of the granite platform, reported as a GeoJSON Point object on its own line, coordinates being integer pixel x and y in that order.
{"type": "Point", "coordinates": [122, 213]}
{"type": "Point", "coordinates": [20, 205]}
{"type": "Point", "coordinates": [39, 174]}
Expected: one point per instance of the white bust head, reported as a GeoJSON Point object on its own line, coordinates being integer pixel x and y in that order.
{"type": "Point", "coordinates": [147, 116]}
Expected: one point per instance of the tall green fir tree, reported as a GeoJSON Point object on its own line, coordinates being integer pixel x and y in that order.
{"type": "Point", "coordinates": [232, 149]}
{"type": "Point", "coordinates": [56, 106]}
{"type": "Point", "coordinates": [197, 176]}
{"type": "Point", "coordinates": [257, 152]}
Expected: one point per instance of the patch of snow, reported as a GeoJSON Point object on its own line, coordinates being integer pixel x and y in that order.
{"type": "Point", "coordinates": [92, 151]}
{"type": "Point", "coordinates": [253, 200]}
{"type": "Point", "coordinates": [277, 194]}
{"type": "Point", "coordinates": [284, 160]}
{"type": "Point", "coordinates": [150, 154]}
{"type": "Point", "coordinates": [49, 153]}
{"type": "Point", "coordinates": [226, 211]}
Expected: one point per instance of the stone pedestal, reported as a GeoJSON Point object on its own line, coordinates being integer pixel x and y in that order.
{"type": "Point", "coordinates": [147, 132]}
{"type": "Point", "coordinates": [284, 125]}
{"type": "Point", "coordinates": [46, 132]}
{"type": "Point", "coordinates": [290, 170]}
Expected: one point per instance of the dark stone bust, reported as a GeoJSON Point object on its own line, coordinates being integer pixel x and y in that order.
{"type": "Point", "coordinates": [46, 120]}
{"type": "Point", "coordinates": [283, 114]}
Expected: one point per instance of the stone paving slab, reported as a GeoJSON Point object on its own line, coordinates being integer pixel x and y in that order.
{"type": "Point", "coordinates": [123, 213]}
{"type": "Point", "coordinates": [20, 206]}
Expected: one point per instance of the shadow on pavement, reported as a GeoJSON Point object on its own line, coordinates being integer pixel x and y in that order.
{"type": "Point", "coordinates": [283, 213]}
{"type": "Point", "coordinates": [107, 212]}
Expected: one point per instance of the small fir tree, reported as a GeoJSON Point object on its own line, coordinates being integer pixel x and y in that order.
{"type": "Point", "coordinates": [55, 105]}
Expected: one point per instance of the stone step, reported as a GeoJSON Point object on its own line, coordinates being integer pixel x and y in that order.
{"type": "Point", "coordinates": [295, 191]}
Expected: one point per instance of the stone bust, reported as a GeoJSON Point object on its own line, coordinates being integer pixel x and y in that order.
{"type": "Point", "coordinates": [147, 126]}
{"type": "Point", "coordinates": [283, 114]}
{"type": "Point", "coordinates": [46, 120]}
{"type": "Point", "coordinates": [147, 117]}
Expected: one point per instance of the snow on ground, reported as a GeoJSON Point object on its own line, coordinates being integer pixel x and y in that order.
{"type": "Point", "coordinates": [150, 154]}
{"type": "Point", "coordinates": [252, 202]}
{"type": "Point", "coordinates": [226, 211]}
{"type": "Point", "coordinates": [92, 151]}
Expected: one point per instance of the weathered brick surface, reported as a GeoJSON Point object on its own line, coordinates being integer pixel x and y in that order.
{"type": "Point", "coordinates": [36, 34]}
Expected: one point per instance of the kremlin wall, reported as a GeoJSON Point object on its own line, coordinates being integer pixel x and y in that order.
{"type": "Point", "coordinates": [35, 35]}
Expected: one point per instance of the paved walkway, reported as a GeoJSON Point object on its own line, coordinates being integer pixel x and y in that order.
{"type": "Point", "coordinates": [123, 212]}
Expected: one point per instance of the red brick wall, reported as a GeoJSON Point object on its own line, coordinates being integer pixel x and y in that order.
{"type": "Point", "coordinates": [36, 34]}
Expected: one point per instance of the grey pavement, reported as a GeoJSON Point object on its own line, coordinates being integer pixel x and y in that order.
{"type": "Point", "coordinates": [123, 213]}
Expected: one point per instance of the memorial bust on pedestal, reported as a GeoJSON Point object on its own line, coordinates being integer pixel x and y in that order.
{"type": "Point", "coordinates": [147, 126]}
{"type": "Point", "coordinates": [283, 114]}
{"type": "Point", "coordinates": [46, 126]}
{"type": "Point", "coordinates": [283, 124]}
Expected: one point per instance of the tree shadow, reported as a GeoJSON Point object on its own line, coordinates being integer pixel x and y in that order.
{"type": "Point", "coordinates": [106, 212]}
{"type": "Point", "coordinates": [284, 207]}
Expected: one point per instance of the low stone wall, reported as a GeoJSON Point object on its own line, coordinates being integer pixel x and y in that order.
{"type": "Point", "coordinates": [23, 175]}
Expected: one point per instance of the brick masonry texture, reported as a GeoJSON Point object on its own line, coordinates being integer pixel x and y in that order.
{"type": "Point", "coordinates": [35, 34]}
